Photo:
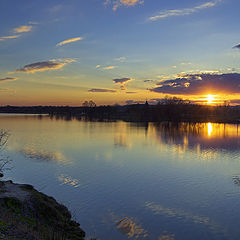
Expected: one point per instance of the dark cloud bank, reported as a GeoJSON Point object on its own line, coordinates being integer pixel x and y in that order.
{"type": "Point", "coordinates": [202, 83]}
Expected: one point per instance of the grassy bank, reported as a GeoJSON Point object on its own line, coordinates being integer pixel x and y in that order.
{"type": "Point", "coordinates": [27, 214]}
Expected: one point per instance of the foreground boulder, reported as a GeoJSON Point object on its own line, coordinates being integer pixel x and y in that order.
{"type": "Point", "coordinates": [27, 214]}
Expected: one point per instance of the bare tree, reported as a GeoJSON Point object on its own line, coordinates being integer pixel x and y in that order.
{"type": "Point", "coordinates": [92, 103]}
{"type": "Point", "coordinates": [85, 104]}
{"type": "Point", "coordinates": [4, 161]}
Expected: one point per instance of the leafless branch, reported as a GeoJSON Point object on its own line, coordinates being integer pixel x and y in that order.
{"type": "Point", "coordinates": [4, 161]}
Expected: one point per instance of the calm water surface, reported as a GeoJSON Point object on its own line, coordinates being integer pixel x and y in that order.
{"type": "Point", "coordinates": [133, 181]}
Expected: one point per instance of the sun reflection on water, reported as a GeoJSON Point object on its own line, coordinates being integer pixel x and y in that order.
{"type": "Point", "coordinates": [210, 129]}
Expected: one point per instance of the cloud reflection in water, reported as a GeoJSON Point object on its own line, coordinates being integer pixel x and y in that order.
{"type": "Point", "coordinates": [66, 180]}
{"type": "Point", "coordinates": [159, 209]}
{"type": "Point", "coordinates": [44, 155]}
{"type": "Point", "coordinates": [130, 228]}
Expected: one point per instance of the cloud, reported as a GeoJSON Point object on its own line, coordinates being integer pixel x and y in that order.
{"type": "Point", "coordinates": [127, 3]}
{"type": "Point", "coordinates": [66, 60]}
{"type": "Point", "coordinates": [130, 102]}
{"type": "Point", "coordinates": [121, 59]}
{"type": "Point", "coordinates": [109, 67]}
{"type": "Point", "coordinates": [42, 66]}
{"type": "Point", "coordinates": [237, 46]}
{"type": "Point", "coordinates": [9, 37]}
{"type": "Point", "coordinates": [106, 67]}
{"type": "Point", "coordinates": [122, 80]}
{"type": "Point", "coordinates": [184, 11]}
{"type": "Point", "coordinates": [101, 90]}
{"type": "Point", "coordinates": [148, 80]}
{"type": "Point", "coordinates": [200, 83]}
{"type": "Point", "coordinates": [131, 92]}
{"type": "Point", "coordinates": [33, 23]}
{"type": "Point", "coordinates": [235, 101]}
{"type": "Point", "coordinates": [23, 29]}
{"type": "Point", "coordinates": [70, 40]}
{"type": "Point", "coordinates": [8, 79]}
{"type": "Point", "coordinates": [56, 8]}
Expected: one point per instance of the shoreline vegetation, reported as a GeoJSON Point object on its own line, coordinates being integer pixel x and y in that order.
{"type": "Point", "coordinates": [27, 214]}
{"type": "Point", "coordinates": [169, 109]}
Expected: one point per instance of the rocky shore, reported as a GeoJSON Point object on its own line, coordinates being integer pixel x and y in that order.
{"type": "Point", "coordinates": [27, 214]}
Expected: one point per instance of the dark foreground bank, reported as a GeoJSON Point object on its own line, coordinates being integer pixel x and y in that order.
{"type": "Point", "coordinates": [27, 214]}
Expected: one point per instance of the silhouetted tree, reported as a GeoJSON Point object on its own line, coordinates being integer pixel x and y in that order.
{"type": "Point", "coordinates": [173, 100]}
{"type": "Point", "coordinates": [89, 104]}
{"type": "Point", "coordinates": [92, 103]}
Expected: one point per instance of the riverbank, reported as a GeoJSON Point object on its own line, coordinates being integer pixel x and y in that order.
{"type": "Point", "coordinates": [27, 214]}
{"type": "Point", "coordinates": [173, 110]}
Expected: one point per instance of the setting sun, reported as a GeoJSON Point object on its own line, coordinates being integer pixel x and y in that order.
{"type": "Point", "coordinates": [210, 99]}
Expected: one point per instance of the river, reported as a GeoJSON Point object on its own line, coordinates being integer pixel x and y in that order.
{"type": "Point", "coordinates": [130, 180]}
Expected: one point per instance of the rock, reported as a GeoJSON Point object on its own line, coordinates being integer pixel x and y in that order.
{"type": "Point", "coordinates": [1, 175]}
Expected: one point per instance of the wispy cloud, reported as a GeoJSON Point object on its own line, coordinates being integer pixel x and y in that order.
{"type": "Point", "coordinates": [121, 59]}
{"type": "Point", "coordinates": [66, 60]}
{"type": "Point", "coordinates": [19, 30]}
{"type": "Point", "coordinates": [9, 37]}
{"type": "Point", "coordinates": [130, 102]}
{"type": "Point", "coordinates": [117, 3]}
{"type": "Point", "coordinates": [148, 80]}
{"type": "Point", "coordinates": [101, 90]}
{"type": "Point", "coordinates": [106, 67]}
{"type": "Point", "coordinates": [70, 40]}
{"type": "Point", "coordinates": [33, 23]}
{"type": "Point", "coordinates": [109, 67]}
{"type": "Point", "coordinates": [56, 8]}
{"type": "Point", "coordinates": [23, 29]}
{"type": "Point", "coordinates": [42, 66]}
{"type": "Point", "coordinates": [8, 79]}
{"type": "Point", "coordinates": [131, 92]}
{"type": "Point", "coordinates": [184, 11]}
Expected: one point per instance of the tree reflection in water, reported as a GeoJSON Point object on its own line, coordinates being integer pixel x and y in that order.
{"type": "Point", "coordinates": [204, 135]}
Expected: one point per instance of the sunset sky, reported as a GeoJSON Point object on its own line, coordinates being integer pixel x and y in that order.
{"type": "Point", "coordinates": [63, 52]}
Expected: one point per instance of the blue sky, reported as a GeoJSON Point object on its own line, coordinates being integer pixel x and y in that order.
{"type": "Point", "coordinates": [66, 52]}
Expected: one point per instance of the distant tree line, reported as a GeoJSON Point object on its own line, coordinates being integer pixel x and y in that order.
{"type": "Point", "coordinates": [170, 109]}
